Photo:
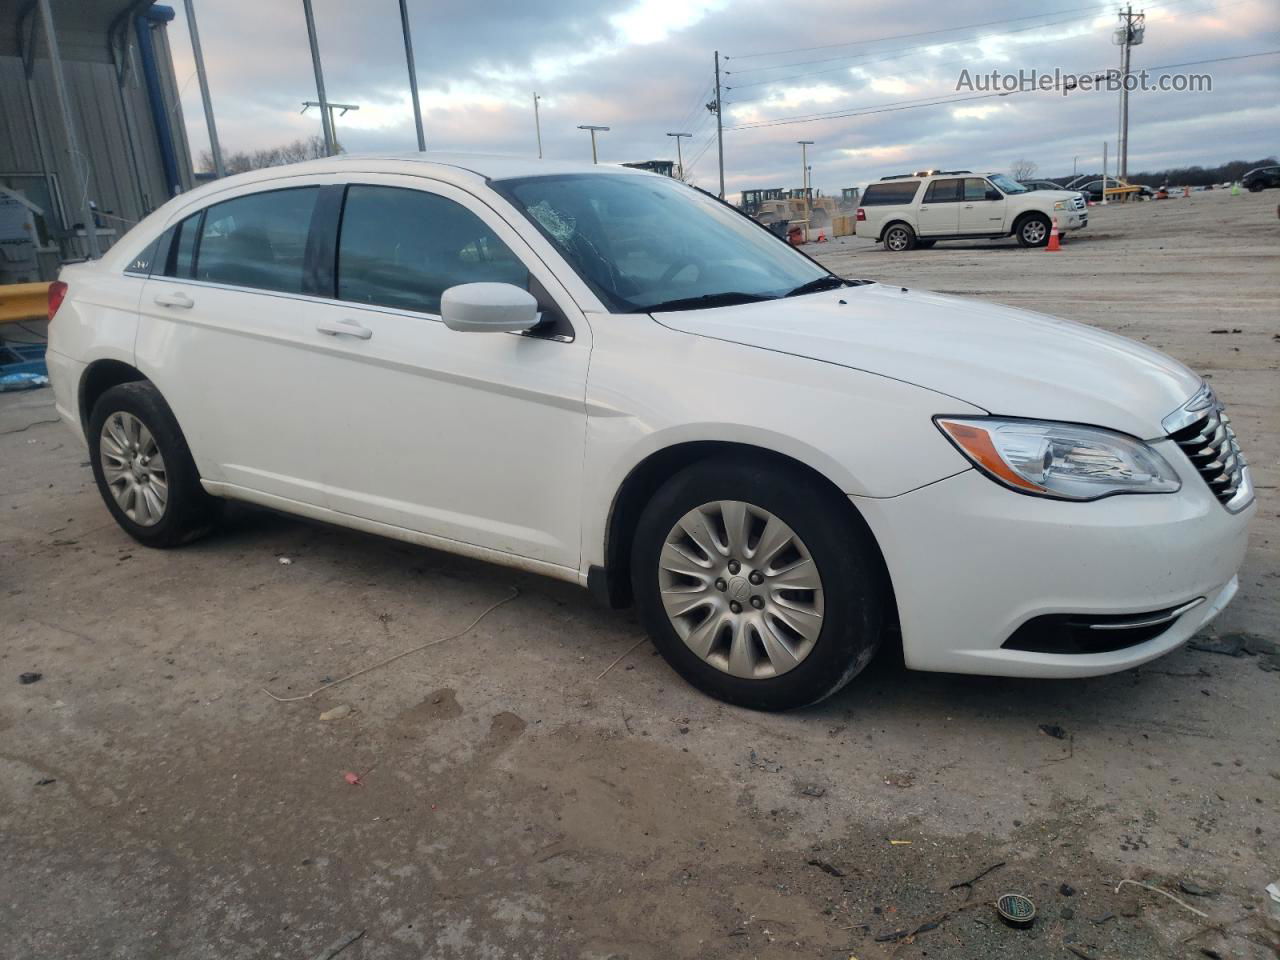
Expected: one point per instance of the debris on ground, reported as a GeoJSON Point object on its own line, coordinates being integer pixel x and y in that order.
{"type": "Point", "coordinates": [337, 713]}
{"type": "Point", "coordinates": [757, 762]}
{"type": "Point", "coordinates": [826, 867]}
{"type": "Point", "coordinates": [284, 561]}
{"type": "Point", "coordinates": [1016, 910]}
{"type": "Point", "coordinates": [968, 884]}
{"type": "Point", "coordinates": [1163, 893]}
{"type": "Point", "coordinates": [26, 678]}
{"type": "Point", "coordinates": [812, 790]}
{"type": "Point", "coordinates": [1067, 890]}
{"type": "Point", "coordinates": [1053, 730]}
{"type": "Point", "coordinates": [1194, 889]}
{"type": "Point", "coordinates": [45, 781]}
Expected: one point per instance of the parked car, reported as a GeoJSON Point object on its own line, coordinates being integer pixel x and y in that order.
{"type": "Point", "coordinates": [1092, 189]}
{"type": "Point", "coordinates": [908, 211]}
{"type": "Point", "coordinates": [611, 378]}
{"type": "Point", "coordinates": [1041, 185]}
{"type": "Point", "coordinates": [1260, 178]}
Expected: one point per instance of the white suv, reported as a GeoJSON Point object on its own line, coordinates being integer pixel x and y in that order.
{"type": "Point", "coordinates": [611, 378]}
{"type": "Point", "coordinates": [917, 210]}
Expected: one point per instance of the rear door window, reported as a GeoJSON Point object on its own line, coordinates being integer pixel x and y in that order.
{"type": "Point", "coordinates": [943, 191]}
{"type": "Point", "coordinates": [257, 241]}
{"type": "Point", "coordinates": [403, 248]}
{"type": "Point", "coordinates": [890, 191]}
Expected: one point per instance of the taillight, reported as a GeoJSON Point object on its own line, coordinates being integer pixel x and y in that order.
{"type": "Point", "coordinates": [862, 214]}
{"type": "Point", "coordinates": [57, 293]}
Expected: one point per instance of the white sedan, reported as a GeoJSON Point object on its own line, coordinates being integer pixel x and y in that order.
{"type": "Point", "coordinates": [608, 377]}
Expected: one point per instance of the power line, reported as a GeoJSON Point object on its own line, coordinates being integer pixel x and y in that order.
{"type": "Point", "coordinates": [897, 105]}
{"type": "Point", "coordinates": [895, 54]}
{"type": "Point", "coordinates": [908, 36]}
{"type": "Point", "coordinates": [760, 83]}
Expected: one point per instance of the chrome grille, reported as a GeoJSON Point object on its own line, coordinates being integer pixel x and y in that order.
{"type": "Point", "coordinates": [1077, 203]}
{"type": "Point", "coordinates": [1210, 444]}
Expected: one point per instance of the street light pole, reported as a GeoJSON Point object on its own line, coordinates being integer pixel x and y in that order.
{"type": "Point", "coordinates": [328, 106]}
{"type": "Point", "coordinates": [326, 120]}
{"type": "Point", "coordinates": [679, 155]}
{"type": "Point", "coordinates": [197, 52]}
{"type": "Point", "coordinates": [537, 122]}
{"type": "Point", "coordinates": [413, 72]}
{"type": "Point", "coordinates": [593, 128]}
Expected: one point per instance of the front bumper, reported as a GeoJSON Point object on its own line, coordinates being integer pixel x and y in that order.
{"type": "Point", "coordinates": [972, 561]}
{"type": "Point", "coordinates": [1073, 219]}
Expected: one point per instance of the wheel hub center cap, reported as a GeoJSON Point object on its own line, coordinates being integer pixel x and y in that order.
{"type": "Point", "coordinates": [739, 589]}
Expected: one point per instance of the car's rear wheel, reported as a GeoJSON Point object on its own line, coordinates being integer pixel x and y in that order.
{"type": "Point", "coordinates": [1034, 231]}
{"type": "Point", "coordinates": [899, 238]}
{"type": "Point", "coordinates": [757, 584]}
{"type": "Point", "coordinates": [144, 468]}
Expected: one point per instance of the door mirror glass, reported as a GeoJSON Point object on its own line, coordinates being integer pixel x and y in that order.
{"type": "Point", "coordinates": [489, 308]}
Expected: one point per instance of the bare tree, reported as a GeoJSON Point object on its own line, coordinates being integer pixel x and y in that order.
{"type": "Point", "coordinates": [1023, 169]}
{"type": "Point", "coordinates": [308, 149]}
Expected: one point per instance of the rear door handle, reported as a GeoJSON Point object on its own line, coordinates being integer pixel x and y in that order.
{"type": "Point", "coordinates": [345, 328]}
{"type": "Point", "coordinates": [176, 299]}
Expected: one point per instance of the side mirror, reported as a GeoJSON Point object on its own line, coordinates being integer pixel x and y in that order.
{"type": "Point", "coordinates": [489, 308]}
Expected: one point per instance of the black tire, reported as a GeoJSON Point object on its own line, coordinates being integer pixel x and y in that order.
{"type": "Point", "coordinates": [189, 512]}
{"type": "Point", "coordinates": [899, 238]}
{"type": "Point", "coordinates": [1033, 231]}
{"type": "Point", "coordinates": [1256, 186]}
{"type": "Point", "coordinates": [839, 544]}
{"type": "Point", "coordinates": [924, 244]}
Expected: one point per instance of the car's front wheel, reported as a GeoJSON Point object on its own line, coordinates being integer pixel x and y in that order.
{"type": "Point", "coordinates": [1034, 231]}
{"type": "Point", "coordinates": [1256, 186]}
{"type": "Point", "coordinates": [757, 584]}
{"type": "Point", "coordinates": [144, 468]}
{"type": "Point", "coordinates": [899, 237]}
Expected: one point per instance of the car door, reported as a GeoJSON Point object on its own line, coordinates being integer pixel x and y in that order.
{"type": "Point", "coordinates": [940, 209]}
{"type": "Point", "coordinates": [225, 335]}
{"type": "Point", "coordinates": [982, 209]}
{"type": "Point", "coordinates": [476, 438]}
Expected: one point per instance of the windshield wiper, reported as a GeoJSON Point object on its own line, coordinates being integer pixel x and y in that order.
{"type": "Point", "coordinates": [726, 299]}
{"type": "Point", "coordinates": [829, 282]}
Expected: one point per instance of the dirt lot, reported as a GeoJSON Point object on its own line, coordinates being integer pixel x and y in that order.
{"type": "Point", "coordinates": [155, 802]}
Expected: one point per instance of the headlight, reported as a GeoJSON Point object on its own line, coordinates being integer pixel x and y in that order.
{"type": "Point", "coordinates": [1062, 460]}
{"type": "Point", "coordinates": [1060, 205]}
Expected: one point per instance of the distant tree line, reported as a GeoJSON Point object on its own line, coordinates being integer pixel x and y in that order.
{"type": "Point", "coordinates": [309, 149]}
{"type": "Point", "coordinates": [1196, 176]}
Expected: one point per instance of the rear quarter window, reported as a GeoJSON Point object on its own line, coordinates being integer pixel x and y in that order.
{"type": "Point", "coordinates": [884, 193]}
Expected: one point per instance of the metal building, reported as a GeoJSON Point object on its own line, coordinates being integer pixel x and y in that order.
{"type": "Point", "coordinates": [96, 145]}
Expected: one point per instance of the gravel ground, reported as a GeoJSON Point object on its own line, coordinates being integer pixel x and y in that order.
{"type": "Point", "coordinates": [511, 803]}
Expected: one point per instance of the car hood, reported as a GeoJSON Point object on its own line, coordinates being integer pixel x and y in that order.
{"type": "Point", "coordinates": [1006, 361]}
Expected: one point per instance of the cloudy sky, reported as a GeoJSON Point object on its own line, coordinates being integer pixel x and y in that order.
{"type": "Point", "coordinates": [644, 68]}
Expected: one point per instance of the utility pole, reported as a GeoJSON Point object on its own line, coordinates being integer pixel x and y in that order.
{"type": "Point", "coordinates": [593, 129]}
{"type": "Point", "coordinates": [537, 122]}
{"type": "Point", "coordinates": [1075, 162]}
{"type": "Point", "coordinates": [214, 148]}
{"type": "Point", "coordinates": [715, 107]}
{"type": "Point", "coordinates": [413, 72]}
{"type": "Point", "coordinates": [1104, 173]}
{"type": "Point", "coordinates": [326, 119]}
{"type": "Point", "coordinates": [679, 155]}
{"type": "Point", "coordinates": [1127, 36]}
{"type": "Point", "coordinates": [327, 107]}
{"type": "Point", "coordinates": [804, 181]}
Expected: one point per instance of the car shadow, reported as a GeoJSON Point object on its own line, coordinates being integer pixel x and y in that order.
{"type": "Point", "coordinates": [886, 692]}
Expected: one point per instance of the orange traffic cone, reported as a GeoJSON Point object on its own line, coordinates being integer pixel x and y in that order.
{"type": "Point", "coordinates": [1055, 243]}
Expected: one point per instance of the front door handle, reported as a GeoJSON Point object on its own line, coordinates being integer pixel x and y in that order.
{"type": "Point", "coordinates": [345, 328]}
{"type": "Point", "coordinates": [175, 299]}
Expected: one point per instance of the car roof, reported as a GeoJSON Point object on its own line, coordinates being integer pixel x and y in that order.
{"type": "Point", "coordinates": [461, 169]}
